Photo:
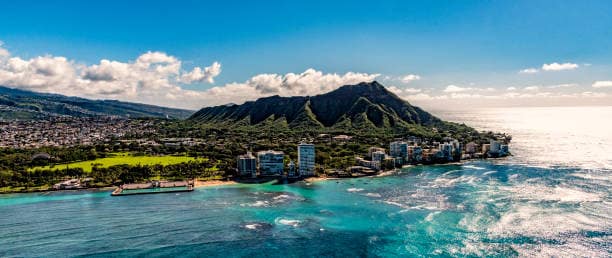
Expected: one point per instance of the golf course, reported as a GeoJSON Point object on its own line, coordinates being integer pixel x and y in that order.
{"type": "Point", "coordinates": [120, 159]}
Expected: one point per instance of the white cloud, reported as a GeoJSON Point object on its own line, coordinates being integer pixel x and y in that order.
{"type": "Point", "coordinates": [395, 90]}
{"type": "Point", "coordinates": [529, 71]}
{"type": "Point", "coordinates": [412, 90]}
{"type": "Point", "coordinates": [402, 91]}
{"type": "Point", "coordinates": [151, 73]}
{"type": "Point", "coordinates": [536, 95]}
{"type": "Point", "coordinates": [409, 78]}
{"type": "Point", "coordinates": [559, 67]}
{"type": "Point", "coordinates": [594, 94]}
{"type": "Point", "coordinates": [564, 85]}
{"type": "Point", "coordinates": [602, 84]}
{"type": "Point", "coordinates": [505, 96]}
{"type": "Point", "coordinates": [202, 75]}
{"type": "Point", "coordinates": [422, 96]}
{"type": "Point", "coordinates": [39, 73]}
{"type": "Point", "coordinates": [550, 67]}
{"type": "Point", "coordinates": [309, 82]}
{"type": "Point", "coordinates": [454, 88]}
{"type": "Point", "coordinates": [156, 78]}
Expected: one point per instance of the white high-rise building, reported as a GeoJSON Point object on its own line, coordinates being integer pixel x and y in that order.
{"type": "Point", "coordinates": [247, 165]}
{"type": "Point", "coordinates": [306, 159]}
{"type": "Point", "coordinates": [271, 163]}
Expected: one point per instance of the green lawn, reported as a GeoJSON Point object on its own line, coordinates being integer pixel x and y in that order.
{"type": "Point", "coordinates": [12, 189]}
{"type": "Point", "coordinates": [121, 159]}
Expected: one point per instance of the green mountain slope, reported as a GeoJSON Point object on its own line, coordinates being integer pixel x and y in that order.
{"type": "Point", "coordinates": [20, 104]}
{"type": "Point", "coordinates": [365, 106]}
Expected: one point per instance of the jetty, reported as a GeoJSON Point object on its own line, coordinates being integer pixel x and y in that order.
{"type": "Point", "coordinates": [154, 187]}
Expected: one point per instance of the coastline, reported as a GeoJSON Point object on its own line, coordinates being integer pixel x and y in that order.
{"type": "Point", "coordinates": [209, 183]}
{"type": "Point", "coordinates": [220, 182]}
{"type": "Point", "coordinates": [198, 184]}
{"type": "Point", "coordinates": [317, 179]}
{"type": "Point", "coordinates": [101, 189]}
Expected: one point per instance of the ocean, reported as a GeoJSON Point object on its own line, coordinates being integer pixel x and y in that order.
{"type": "Point", "coordinates": [552, 198]}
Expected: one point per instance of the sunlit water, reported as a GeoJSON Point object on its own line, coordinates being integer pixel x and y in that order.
{"type": "Point", "coordinates": [551, 199]}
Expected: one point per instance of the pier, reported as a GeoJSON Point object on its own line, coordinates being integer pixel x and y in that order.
{"type": "Point", "coordinates": [153, 188]}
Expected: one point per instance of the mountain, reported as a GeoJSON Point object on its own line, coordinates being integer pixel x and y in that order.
{"type": "Point", "coordinates": [21, 104]}
{"type": "Point", "coordinates": [361, 106]}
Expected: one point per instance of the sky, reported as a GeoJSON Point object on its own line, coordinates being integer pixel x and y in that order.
{"type": "Point", "coordinates": [191, 54]}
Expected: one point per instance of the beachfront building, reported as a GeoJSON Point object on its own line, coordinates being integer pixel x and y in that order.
{"type": "Point", "coordinates": [470, 148]}
{"type": "Point", "coordinates": [306, 159]}
{"type": "Point", "coordinates": [271, 163]}
{"type": "Point", "coordinates": [495, 147]}
{"type": "Point", "coordinates": [398, 149]}
{"type": "Point", "coordinates": [247, 165]}
{"type": "Point", "coordinates": [505, 150]}
{"type": "Point", "coordinates": [378, 156]}
{"type": "Point", "coordinates": [415, 154]}
{"type": "Point", "coordinates": [447, 151]}
{"type": "Point", "coordinates": [291, 172]}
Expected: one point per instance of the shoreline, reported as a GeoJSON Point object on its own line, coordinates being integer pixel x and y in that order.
{"type": "Point", "coordinates": [93, 189]}
{"type": "Point", "coordinates": [210, 183]}
{"type": "Point", "coordinates": [220, 182]}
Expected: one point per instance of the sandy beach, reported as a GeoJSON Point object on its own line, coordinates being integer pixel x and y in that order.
{"type": "Point", "coordinates": [207, 183]}
{"type": "Point", "coordinates": [315, 179]}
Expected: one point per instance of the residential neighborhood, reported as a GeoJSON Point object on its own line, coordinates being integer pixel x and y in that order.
{"type": "Point", "coordinates": [68, 131]}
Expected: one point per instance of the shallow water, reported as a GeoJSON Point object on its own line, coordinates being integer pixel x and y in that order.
{"type": "Point", "coordinates": [554, 202]}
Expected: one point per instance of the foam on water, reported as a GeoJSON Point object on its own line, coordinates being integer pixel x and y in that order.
{"type": "Point", "coordinates": [252, 226]}
{"type": "Point", "coordinates": [537, 193]}
{"type": "Point", "coordinates": [354, 189]}
{"type": "Point", "coordinates": [374, 195]}
{"type": "Point", "coordinates": [288, 222]}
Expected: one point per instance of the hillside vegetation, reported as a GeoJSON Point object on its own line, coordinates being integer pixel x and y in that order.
{"type": "Point", "coordinates": [365, 107]}
{"type": "Point", "coordinates": [20, 104]}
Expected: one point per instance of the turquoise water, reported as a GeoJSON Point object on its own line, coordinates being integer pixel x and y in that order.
{"type": "Point", "coordinates": [526, 205]}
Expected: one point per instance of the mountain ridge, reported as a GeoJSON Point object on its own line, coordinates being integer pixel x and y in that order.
{"type": "Point", "coordinates": [367, 105]}
{"type": "Point", "coordinates": [23, 104]}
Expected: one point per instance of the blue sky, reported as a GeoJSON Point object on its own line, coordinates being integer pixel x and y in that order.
{"type": "Point", "coordinates": [470, 44]}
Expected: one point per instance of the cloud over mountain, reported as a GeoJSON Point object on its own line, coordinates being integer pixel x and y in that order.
{"type": "Point", "coordinates": [152, 76]}
{"type": "Point", "coordinates": [157, 78]}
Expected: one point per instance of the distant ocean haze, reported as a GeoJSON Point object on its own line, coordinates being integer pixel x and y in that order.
{"type": "Point", "coordinates": [548, 136]}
